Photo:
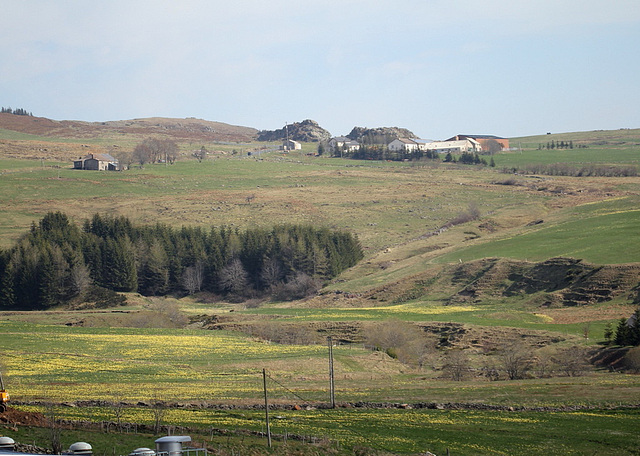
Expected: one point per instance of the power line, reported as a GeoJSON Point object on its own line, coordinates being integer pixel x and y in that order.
{"type": "Point", "coordinates": [327, 415]}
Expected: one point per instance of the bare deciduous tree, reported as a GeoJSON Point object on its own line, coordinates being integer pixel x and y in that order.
{"type": "Point", "coordinates": [159, 408]}
{"type": "Point", "coordinates": [516, 360]}
{"type": "Point", "coordinates": [456, 365]}
{"type": "Point", "coordinates": [402, 340]}
{"type": "Point", "coordinates": [153, 150]}
{"type": "Point", "coordinates": [192, 278]}
{"type": "Point", "coordinates": [80, 278]}
{"type": "Point", "coordinates": [573, 361]}
{"type": "Point", "coordinates": [233, 277]}
{"type": "Point", "coordinates": [271, 273]}
{"type": "Point", "coordinates": [53, 420]}
{"type": "Point", "coordinates": [125, 158]}
{"type": "Point", "coordinates": [171, 310]}
{"type": "Point", "coordinates": [544, 364]}
{"type": "Point", "coordinates": [142, 154]}
{"type": "Point", "coordinates": [118, 409]}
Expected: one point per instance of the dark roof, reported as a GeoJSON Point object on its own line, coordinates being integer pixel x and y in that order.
{"type": "Point", "coordinates": [100, 157]}
{"type": "Point", "coordinates": [406, 140]}
{"type": "Point", "coordinates": [481, 136]}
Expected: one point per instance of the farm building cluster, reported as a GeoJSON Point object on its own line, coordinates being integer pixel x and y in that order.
{"type": "Point", "coordinates": [456, 144]}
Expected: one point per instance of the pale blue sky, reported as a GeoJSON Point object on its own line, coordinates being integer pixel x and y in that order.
{"type": "Point", "coordinates": [437, 67]}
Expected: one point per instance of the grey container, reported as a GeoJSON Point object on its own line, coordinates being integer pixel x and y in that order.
{"type": "Point", "coordinates": [171, 445]}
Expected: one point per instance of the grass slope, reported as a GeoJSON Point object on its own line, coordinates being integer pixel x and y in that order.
{"type": "Point", "coordinates": [408, 274]}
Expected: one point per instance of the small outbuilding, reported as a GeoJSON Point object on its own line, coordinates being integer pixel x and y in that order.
{"type": "Point", "coordinates": [290, 144]}
{"type": "Point", "coordinates": [97, 162]}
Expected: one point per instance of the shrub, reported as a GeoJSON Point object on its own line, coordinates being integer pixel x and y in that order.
{"type": "Point", "coordinates": [632, 359]}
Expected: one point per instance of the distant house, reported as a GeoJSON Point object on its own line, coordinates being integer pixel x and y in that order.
{"type": "Point", "coordinates": [452, 146]}
{"type": "Point", "coordinates": [403, 144]}
{"type": "Point", "coordinates": [484, 140]}
{"type": "Point", "coordinates": [413, 145]}
{"type": "Point", "coordinates": [290, 144]}
{"type": "Point", "coordinates": [343, 143]}
{"type": "Point", "coordinates": [97, 162]}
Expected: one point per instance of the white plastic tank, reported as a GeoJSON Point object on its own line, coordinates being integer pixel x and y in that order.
{"type": "Point", "coordinates": [80, 448]}
{"type": "Point", "coordinates": [142, 452]}
{"type": "Point", "coordinates": [7, 443]}
{"type": "Point", "coordinates": [171, 445]}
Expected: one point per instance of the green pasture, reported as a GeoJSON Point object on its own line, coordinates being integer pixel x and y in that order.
{"type": "Point", "coordinates": [601, 233]}
{"type": "Point", "coordinates": [610, 147]}
{"type": "Point", "coordinates": [60, 364]}
{"type": "Point", "coordinates": [412, 431]}
{"type": "Point", "coordinates": [595, 138]}
{"type": "Point", "coordinates": [509, 314]}
{"type": "Point", "coordinates": [576, 157]}
{"type": "Point", "coordinates": [383, 203]}
{"type": "Point", "coordinates": [19, 136]}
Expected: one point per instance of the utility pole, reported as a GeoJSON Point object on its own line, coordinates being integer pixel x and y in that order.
{"type": "Point", "coordinates": [332, 389]}
{"type": "Point", "coordinates": [286, 129]}
{"type": "Point", "coordinates": [266, 406]}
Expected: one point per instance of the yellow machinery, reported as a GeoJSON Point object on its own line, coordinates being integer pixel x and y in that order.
{"type": "Point", "coordinates": [4, 396]}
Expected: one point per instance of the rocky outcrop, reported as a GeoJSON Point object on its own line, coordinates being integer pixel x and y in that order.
{"type": "Point", "coordinates": [305, 131]}
{"type": "Point", "coordinates": [380, 135]}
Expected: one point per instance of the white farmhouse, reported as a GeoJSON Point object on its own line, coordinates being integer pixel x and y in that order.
{"type": "Point", "coordinates": [403, 144]}
{"type": "Point", "coordinates": [443, 147]}
{"type": "Point", "coordinates": [343, 143]}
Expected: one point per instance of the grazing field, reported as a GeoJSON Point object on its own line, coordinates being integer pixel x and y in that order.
{"type": "Point", "coordinates": [58, 363]}
{"type": "Point", "coordinates": [431, 233]}
{"type": "Point", "coordinates": [193, 368]}
{"type": "Point", "coordinates": [596, 232]}
{"type": "Point", "coordinates": [462, 432]}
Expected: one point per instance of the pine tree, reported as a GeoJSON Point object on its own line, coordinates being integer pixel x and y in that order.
{"type": "Point", "coordinates": [153, 274]}
{"type": "Point", "coordinates": [7, 295]}
{"type": "Point", "coordinates": [118, 270]}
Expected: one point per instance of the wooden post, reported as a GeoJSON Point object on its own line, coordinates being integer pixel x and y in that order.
{"type": "Point", "coordinates": [332, 390]}
{"type": "Point", "coordinates": [266, 406]}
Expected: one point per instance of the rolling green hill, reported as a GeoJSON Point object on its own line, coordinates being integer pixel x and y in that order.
{"type": "Point", "coordinates": [477, 258]}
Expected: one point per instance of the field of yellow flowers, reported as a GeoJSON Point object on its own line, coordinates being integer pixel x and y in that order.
{"type": "Point", "coordinates": [53, 363]}
{"type": "Point", "coordinates": [58, 363]}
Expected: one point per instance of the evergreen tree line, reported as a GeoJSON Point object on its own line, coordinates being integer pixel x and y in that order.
{"type": "Point", "coordinates": [382, 152]}
{"type": "Point", "coordinates": [17, 111]}
{"type": "Point", "coordinates": [468, 158]}
{"type": "Point", "coordinates": [627, 331]}
{"type": "Point", "coordinates": [557, 145]}
{"type": "Point", "coordinates": [58, 261]}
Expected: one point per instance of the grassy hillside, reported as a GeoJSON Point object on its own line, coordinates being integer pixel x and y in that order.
{"type": "Point", "coordinates": [467, 254]}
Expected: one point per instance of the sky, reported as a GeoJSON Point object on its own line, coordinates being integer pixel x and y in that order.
{"type": "Point", "coordinates": [437, 67]}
